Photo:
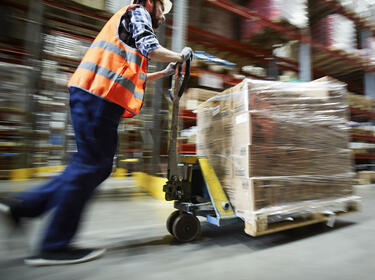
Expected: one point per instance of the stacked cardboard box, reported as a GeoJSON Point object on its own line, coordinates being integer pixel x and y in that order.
{"type": "Point", "coordinates": [273, 144]}
{"type": "Point", "coordinates": [193, 97]}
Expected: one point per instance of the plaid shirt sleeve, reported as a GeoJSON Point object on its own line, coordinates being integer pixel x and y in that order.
{"type": "Point", "coordinates": [139, 25]}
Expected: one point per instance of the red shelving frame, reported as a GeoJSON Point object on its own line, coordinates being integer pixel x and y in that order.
{"type": "Point", "coordinates": [364, 156]}
{"type": "Point", "coordinates": [187, 114]}
{"type": "Point", "coordinates": [356, 111]}
{"type": "Point", "coordinates": [363, 137]}
{"type": "Point", "coordinates": [187, 149]}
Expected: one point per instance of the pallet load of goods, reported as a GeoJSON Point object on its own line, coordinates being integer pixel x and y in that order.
{"type": "Point", "coordinates": [280, 151]}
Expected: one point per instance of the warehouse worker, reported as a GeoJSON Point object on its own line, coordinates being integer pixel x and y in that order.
{"type": "Point", "coordinates": [108, 84]}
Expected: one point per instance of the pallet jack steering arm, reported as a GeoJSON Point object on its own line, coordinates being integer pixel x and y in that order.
{"type": "Point", "coordinates": [178, 87]}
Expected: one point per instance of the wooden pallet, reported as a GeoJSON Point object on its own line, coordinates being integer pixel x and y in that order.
{"type": "Point", "coordinates": [263, 225]}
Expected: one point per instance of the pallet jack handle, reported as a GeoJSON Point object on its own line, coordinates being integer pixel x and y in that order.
{"type": "Point", "coordinates": [180, 83]}
{"type": "Point", "coordinates": [186, 76]}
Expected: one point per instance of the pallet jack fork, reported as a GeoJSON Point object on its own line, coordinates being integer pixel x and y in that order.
{"type": "Point", "coordinates": [192, 183]}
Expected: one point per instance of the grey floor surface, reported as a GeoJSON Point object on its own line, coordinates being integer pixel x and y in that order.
{"type": "Point", "coordinates": [131, 225]}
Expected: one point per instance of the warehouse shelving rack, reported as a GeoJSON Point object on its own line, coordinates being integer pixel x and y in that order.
{"type": "Point", "coordinates": [343, 60]}
{"type": "Point", "coordinates": [64, 18]}
{"type": "Point", "coordinates": [358, 72]}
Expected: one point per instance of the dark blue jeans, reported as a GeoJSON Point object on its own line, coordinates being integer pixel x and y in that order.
{"type": "Point", "coordinates": [95, 122]}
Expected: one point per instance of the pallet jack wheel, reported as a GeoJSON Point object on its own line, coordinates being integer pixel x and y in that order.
{"type": "Point", "coordinates": [186, 228]}
{"type": "Point", "coordinates": [172, 217]}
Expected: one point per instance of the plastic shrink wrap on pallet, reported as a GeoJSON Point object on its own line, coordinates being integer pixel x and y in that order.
{"type": "Point", "coordinates": [278, 147]}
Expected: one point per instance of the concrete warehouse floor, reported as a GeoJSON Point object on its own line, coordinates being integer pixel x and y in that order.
{"type": "Point", "coordinates": [131, 225]}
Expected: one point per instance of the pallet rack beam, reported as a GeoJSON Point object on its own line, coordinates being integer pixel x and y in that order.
{"type": "Point", "coordinates": [305, 62]}
{"type": "Point", "coordinates": [179, 24]}
{"type": "Point", "coordinates": [364, 137]}
{"type": "Point", "coordinates": [273, 69]}
{"type": "Point", "coordinates": [364, 156]}
{"type": "Point", "coordinates": [368, 114]}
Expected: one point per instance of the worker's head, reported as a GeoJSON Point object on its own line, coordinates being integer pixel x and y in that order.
{"type": "Point", "coordinates": [157, 10]}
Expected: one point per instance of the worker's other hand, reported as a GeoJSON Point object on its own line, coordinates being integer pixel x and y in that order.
{"type": "Point", "coordinates": [170, 69]}
{"type": "Point", "coordinates": [187, 53]}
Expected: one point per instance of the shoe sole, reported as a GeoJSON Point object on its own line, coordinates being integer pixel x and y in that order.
{"type": "Point", "coordinates": [45, 262]}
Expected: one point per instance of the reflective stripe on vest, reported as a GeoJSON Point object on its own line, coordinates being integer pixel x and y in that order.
{"type": "Point", "coordinates": [131, 57]}
{"type": "Point", "coordinates": [113, 76]}
{"type": "Point", "coordinates": [113, 70]}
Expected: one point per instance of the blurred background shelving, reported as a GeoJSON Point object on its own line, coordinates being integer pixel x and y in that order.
{"type": "Point", "coordinates": [300, 40]}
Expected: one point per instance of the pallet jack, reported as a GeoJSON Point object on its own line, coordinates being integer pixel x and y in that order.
{"type": "Point", "coordinates": [192, 183]}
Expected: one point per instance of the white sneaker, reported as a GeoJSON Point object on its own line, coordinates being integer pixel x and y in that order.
{"type": "Point", "coordinates": [65, 256]}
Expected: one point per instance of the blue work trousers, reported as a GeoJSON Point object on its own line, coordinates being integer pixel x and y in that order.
{"type": "Point", "coordinates": [95, 122]}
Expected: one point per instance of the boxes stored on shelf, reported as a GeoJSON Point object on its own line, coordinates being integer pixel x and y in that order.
{"type": "Point", "coordinates": [360, 102]}
{"type": "Point", "coordinates": [361, 7]}
{"type": "Point", "coordinates": [114, 5]}
{"type": "Point", "coordinates": [275, 144]}
{"type": "Point", "coordinates": [95, 4]}
{"type": "Point", "coordinates": [64, 46]}
{"type": "Point", "coordinates": [335, 31]}
{"type": "Point", "coordinates": [293, 12]}
{"type": "Point", "coordinates": [15, 124]}
{"type": "Point", "coordinates": [208, 17]}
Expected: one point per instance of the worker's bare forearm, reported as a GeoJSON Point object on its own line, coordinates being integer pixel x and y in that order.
{"type": "Point", "coordinates": [155, 76]}
{"type": "Point", "coordinates": [162, 54]}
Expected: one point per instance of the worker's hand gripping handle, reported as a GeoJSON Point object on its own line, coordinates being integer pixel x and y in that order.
{"type": "Point", "coordinates": [185, 78]}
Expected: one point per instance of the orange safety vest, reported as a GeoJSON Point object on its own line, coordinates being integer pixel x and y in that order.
{"type": "Point", "coordinates": [112, 69]}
